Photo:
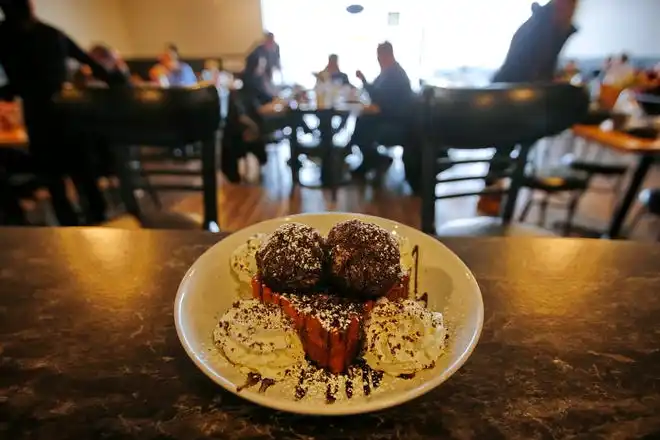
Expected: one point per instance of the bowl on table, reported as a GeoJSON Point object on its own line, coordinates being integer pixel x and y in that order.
{"type": "Point", "coordinates": [210, 288]}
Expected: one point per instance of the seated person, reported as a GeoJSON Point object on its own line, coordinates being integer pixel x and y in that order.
{"type": "Point", "coordinates": [243, 132]}
{"type": "Point", "coordinates": [332, 72]}
{"type": "Point", "coordinates": [621, 73]}
{"type": "Point", "coordinates": [569, 72]}
{"type": "Point", "coordinates": [392, 94]}
{"type": "Point", "coordinates": [171, 71]}
{"type": "Point", "coordinates": [215, 74]}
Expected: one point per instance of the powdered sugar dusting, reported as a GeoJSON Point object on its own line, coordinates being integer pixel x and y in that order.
{"type": "Point", "coordinates": [333, 312]}
{"type": "Point", "coordinates": [292, 257]}
{"type": "Point", "coordinates": [364, 258]}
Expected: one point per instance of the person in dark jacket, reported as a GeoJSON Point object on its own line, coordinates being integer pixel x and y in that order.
{"type": "Point", "coordinates": [532, 57]}
{"type": "Point", "coordinates": [270, 51]}
{"type": "Point", "coordinates": [256, 80]}
{"type": "Point", "coordinates": [392, 94]}
{"type": "Point", "coordinates": [244, 130]}
{"type": "Point", "coordinates": [33, 55]}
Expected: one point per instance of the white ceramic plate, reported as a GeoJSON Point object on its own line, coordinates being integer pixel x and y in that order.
{"type": "Point", "coordinates": [209, 289]}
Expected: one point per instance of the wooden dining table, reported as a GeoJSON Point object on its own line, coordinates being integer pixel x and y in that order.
{"type": "Point", "coordinates": [88, 348]}
{"type": "Point", "coordinates": [646, 151]}
{"type": "Point", "coordinates": [292, 113]}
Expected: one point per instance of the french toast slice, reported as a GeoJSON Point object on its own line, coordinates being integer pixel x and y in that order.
{"type": "Point", "coordinates": [330, 326]}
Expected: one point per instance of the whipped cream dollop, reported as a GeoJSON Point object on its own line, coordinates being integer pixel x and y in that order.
{"type": "Point", "coordinates": [406, 252]}
{"type": "Point", "coordinates": [243, 259]}
{"type": "Point", "coordinates": [259, 338]}
{"type": "Point", "coordinates": [403, 337]}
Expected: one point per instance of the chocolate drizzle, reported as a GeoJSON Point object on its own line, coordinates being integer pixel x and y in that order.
{"type": "Point", "coordinates": [330, 393]}
{"type": "Point", "coordinates": [349, 387]}
{"type": "Point", "coordinates": [365, 378]}
{"type": "Point", "coordinates": [376, 378]}
{"type": "Point", "coordinates": [415, 254]}
{"type": "Point", "coordinates": [301, 388]}
{"type": "Point", "coordinates": [407, 376]}
{"type": "Point", "coordinates": [265, 384]}
{"type": "Point", "coordinates": [252, 380]}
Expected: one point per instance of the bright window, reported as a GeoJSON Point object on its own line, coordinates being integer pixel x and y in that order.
{"type": "Point", "coordinates": [428, 35]}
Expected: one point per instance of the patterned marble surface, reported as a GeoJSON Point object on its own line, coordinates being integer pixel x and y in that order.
{"type": "Point", "coordinates": [88, 349]}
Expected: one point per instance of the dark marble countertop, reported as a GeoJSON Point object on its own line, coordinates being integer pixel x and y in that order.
{"type": "Point", "coordinates": [88, 348]}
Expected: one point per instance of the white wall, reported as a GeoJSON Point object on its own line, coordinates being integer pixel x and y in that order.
{"type": "Point", "coordinates": [199, 27]}
{"type": "Point", "coordinates": [88, 21]}
{"type": "Point", "coordinates": [614, 26]}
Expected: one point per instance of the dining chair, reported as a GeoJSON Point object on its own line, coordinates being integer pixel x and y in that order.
{"type": "Point", "coordinates": [476, 118]}
{"type": "Point", "coordinates": [650, 201]}
{"type": "Point", "coordinates": [162, 119]}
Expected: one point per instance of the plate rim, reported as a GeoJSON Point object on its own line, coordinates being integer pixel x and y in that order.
{"type": "Point", "coordinates": [329, 410]}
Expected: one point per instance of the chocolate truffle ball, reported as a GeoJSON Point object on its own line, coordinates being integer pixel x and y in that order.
{"type": "Point", "coordinates": [291, 259]}
{"type": "Point", "coordinates": [364, 259]}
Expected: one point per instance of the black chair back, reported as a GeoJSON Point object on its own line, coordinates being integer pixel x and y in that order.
{"type": "Point", "coordinates": [152, 116]}
{"type": "Point", "coordinates": [501, 115]}
{"type": "Point", "coordinates": [142, 115]}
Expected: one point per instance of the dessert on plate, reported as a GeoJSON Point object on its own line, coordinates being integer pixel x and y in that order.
{"type": "Point", "coordinates": [329, 312]}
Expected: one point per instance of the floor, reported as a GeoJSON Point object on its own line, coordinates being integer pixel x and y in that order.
{"type": "Point", "coordinates": [245, 204]}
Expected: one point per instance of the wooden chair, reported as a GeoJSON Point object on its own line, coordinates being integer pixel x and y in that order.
{"type": "Point", "coordinates": [502, 114]}
{"type": "Point", "coordinates": [159, 118]}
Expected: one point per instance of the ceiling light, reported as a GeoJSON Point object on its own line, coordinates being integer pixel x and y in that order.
{"type": "Point", "coordinates": [355, 9]}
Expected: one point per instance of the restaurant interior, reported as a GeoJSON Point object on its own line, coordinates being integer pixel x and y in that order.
{"type": "Point", "coordinates": [290, 169]}
{"type": "Point", "coordinates": [579, 176]}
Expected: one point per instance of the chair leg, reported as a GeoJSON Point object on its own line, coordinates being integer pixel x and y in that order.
{"type": "Point", "coordinates": [543, 210]}
{"type": "Point", "coordinates": [126, 181]}
{"type": "Point", "coordinates": [153, 194]}
{"type": "Point", "coordinates": [570, 214]}
{"type": "Point", "coordinates": [633, 224]}
{"type": "Point", "coordinates": [428, 188]}
{"type": "Point", "coordinates": [210, 184]}
{"type": "Point", "coordinates": [526, 209]}
{"type": "Point", "coordinates": [517, 178]}
{"type": "Point", "coordinates": [295, 160]}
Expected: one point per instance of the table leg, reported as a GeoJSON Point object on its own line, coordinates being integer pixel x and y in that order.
{"type": "Point", "coordinates": [428, 187]}
{"type": "Point", "coordinates": [622, 210]}
{"type": "Point", "coordinates": [326, 143]}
